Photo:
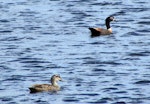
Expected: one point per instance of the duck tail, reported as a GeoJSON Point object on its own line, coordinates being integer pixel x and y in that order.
{"type": "Point", "coordinates": [91, 28]}
{"type": "Point", "coordinates": [94, 32]}
{"type": "Point", "coordinates": [32, 90]}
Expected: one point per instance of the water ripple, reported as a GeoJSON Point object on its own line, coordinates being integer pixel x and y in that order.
{"type": "Point", "coordinates": [42, 38]}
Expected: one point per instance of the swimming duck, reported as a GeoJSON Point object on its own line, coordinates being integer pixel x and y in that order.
{"type": "Point", "coordinates": [47, 87]}
{"type": "Point", "coordinates": [100, 31]}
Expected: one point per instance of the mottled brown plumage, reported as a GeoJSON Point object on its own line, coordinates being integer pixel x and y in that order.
{"type": "Point", "coordinates": [47, 87]}
{"type": "Point", "coordinates": [100, 31]}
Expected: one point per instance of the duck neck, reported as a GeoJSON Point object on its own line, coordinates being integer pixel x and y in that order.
{"type": "Point", "coordinates": [54, 83]}
{"type": "Point", "coordinates": [107, 24]}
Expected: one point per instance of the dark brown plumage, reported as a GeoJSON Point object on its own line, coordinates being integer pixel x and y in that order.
{"type": "Point", "coordinates": [47, 87]}
{"type": "Point", "coordinates": [100, 31]}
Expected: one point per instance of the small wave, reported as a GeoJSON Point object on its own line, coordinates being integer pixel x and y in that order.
{"type": "Point", "coordinates": [6, 31]}
{"type": "Point", "coordinates": [70, 99]}
{"type": "Point", "coordinates": [6, 99]}
{"type": "Point", "coordinates": [143, 82]}
{"type": "Point", "coordinates": [138, 54]}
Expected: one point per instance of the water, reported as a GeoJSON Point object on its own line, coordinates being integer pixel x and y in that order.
{"type": "Point", "coordinates": [39, 38]}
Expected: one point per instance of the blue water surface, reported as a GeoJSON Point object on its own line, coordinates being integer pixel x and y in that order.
{"type": "Point", "coordinates": [39, 38]}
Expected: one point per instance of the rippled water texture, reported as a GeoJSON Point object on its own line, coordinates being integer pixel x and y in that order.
{"type": "Point", "coordinates": [39, 38]}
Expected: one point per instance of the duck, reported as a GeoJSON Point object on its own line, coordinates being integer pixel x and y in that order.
{"type": "Point", "coordinates": [53, 87]}
{"type": "Point", "coordinates": [101, 31]}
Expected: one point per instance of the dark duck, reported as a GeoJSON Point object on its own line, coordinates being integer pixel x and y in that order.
{"type": "Point", "coordinates": [100, 31]}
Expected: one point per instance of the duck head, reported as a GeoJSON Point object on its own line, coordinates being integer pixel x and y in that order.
{"type": "Point", "coordinates": [55, 79]}
{"type": "Point", "coordinates": [110, 18]}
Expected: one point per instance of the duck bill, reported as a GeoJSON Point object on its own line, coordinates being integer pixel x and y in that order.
{"type": "Point", "coordinates": [114, 20]}
{"type": "Point", "coordinates": [62, 80]}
